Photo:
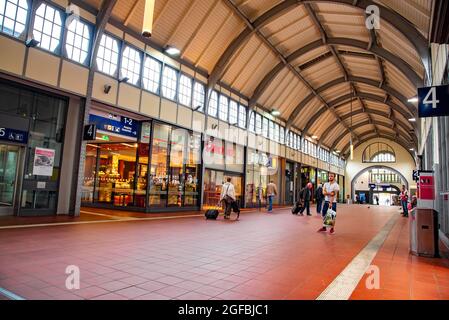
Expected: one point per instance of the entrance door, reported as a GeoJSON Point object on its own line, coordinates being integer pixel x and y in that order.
{"type": "Point", "coordinates": [9, 162]}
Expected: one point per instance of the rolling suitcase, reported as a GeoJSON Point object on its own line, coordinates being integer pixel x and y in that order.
{"type": "Point", "coordinates": [211, 214]}
{"type": "Point", "coordinates": [236, 208]}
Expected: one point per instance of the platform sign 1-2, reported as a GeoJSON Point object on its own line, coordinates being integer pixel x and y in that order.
{"type": "Point", "coordinates": [433, 101]}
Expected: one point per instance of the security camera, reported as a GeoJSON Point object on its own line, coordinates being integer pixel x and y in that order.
{"type": "Point", "coordinates": [107, 88]}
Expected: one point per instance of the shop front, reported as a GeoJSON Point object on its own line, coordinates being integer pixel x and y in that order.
{"type": "Point", "coordinates": [141, 165]}
{"type": "Point", "coordinates": [308, 174]}
{"type": "Point", "coordinates": [222, 160]}
{"type": "Point", "coordinates": [32, 126]}
{"type": "Point", "coordinates": [289, 182]}
{"type": "Point", "coordinates": [261, 168]}
{"type": "Point", "coordinates": [322, 177]}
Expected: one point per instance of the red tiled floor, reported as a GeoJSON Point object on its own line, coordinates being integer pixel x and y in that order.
{"type": "Point", "coordinates": [403, 276]}
{"type": "Point", "coordinates": [276, 256]}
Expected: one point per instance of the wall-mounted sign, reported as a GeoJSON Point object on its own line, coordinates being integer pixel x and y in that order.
{"type": "Point", "coordinates": [125, 126]}
{"type": "Point", "coordinates": [415, 175]}
{"type": "Point", "coordinates": [433, 101]}
{"type": "Point", "coordinates": [44, 161]}
{"type": "Point", "coordinates": [13, 135]}
{"type": "Point", "coordinates": [90, 132]}
{"type": "Point", "coordinates": [372, 186]}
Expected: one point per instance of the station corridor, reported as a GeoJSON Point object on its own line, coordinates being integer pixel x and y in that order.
{"type": "Point", "coordinates": [261, 256]}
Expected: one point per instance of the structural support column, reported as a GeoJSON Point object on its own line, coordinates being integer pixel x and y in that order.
{"type": "Point", "coordinates": [102, 19]}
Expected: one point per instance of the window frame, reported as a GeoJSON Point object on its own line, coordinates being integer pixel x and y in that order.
{"type": "Point", "coordinates": [241, 124]}
{"type": "Point", "coordinates": [213, 92]}
{"type": "Point", "coordinates": [22, 36]}
{"type": "Point", "coordinates": [177, 72]}
{"type": "Point", "coordinates": [221, 97]}
{"type": "Point", "coordinates": [237, 110]}
{"type": "Point", "coordinates": [125, 45]}
{"type": "Point", "coordinates": [142, 81]}
{"type": "Point", "coordinates": [91, 28]}
{"type": "Point", "coordinates": [178, 95]}
{"type": "Point", "coordinates": [203, 85]}
{"type": "Point", "coordinates": [32, 21]}
{"type": "Point", "coordinates": [120, 46]}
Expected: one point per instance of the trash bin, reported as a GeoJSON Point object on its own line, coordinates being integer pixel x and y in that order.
{"type": "Point", "coordinates": [424, 236]}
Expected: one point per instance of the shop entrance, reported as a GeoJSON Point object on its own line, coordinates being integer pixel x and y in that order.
{"type": "Point", "coordinates": [213, 183]}
{"type": "Point", "coordinates": [9, 178]}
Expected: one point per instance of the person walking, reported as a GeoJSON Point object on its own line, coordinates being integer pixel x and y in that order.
{"type": "Point", "coordinates": [272, 191]}
{"type": "Point", "coordinates": [319, 197]}
{"type": "Point", "coordinates": [404, 201]}
{"type": "Point", "coordinates": [306, 196]}
{"type": "Point", "coordinates": [227, 197]}
{"type": "Point", "coordinates": [330, 191]}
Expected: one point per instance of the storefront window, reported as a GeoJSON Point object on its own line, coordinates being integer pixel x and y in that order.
{"type": "Point", "coordinates": [159, 159]}
{"type": "Point", "coordinates": [261, 168]}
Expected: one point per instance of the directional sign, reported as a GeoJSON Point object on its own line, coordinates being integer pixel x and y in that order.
{"type": "Point", "coordinates": [126, 126]}
{"type": "Point", "coordinates": [433, 101]}
{"type": "Point", "coordinates": [372, 186]}
{"type": "Point", "coordinates": [13, 135]}
{"type": "Point", "coordinates": [415, 175]}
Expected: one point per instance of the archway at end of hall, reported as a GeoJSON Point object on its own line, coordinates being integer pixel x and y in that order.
{"type": "Point", "coordinates": [378, 184]}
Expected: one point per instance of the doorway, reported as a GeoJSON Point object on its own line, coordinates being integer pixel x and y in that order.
{"type": "Point", "coordinates": [9, 178]}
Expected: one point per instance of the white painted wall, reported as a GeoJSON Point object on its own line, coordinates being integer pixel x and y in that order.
{"type": "Point", "coordinates": [405, 164]}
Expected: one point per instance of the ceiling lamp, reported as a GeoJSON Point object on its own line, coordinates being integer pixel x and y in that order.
{"type": "Point", "coordinates": [314, 137]}
{"type": "Point", "coordinates": [412, 119]}
{"type": "Point", "coordinates": [148, 16]}
{"type": "Point", "coordinates": [172, 51]}
{"type": "Point", "coordinates": [413, 100]}
{"type": "Point", "coordinates": [275, 113]}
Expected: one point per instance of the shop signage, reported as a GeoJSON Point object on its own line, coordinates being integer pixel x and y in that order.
{"type": "Point", "coordinates": [372, 186]}
{"type": "Point", "coordinates": [433, 101]}
{"type": "Point", "coordinates": [13, 135]}
{"type": "Point", "coordinates": [125, 126]}
{"type": "Point", "coordinates": [44, 161]}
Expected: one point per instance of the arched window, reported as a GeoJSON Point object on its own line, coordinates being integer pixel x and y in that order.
{"type": "Point", "coordinates": [77, 43]}
{"type": "Point", "coordinates": [379, 153]}
{"type": "Point", "coordinates": [13, 16]}
{"type": "Point", "coordinates": [48, 27]}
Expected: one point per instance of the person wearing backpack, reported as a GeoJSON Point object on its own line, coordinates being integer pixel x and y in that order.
{"type": "Point", "coordinates": [227, 197]}
{"type": "Point", "coordinates": [319, 196]}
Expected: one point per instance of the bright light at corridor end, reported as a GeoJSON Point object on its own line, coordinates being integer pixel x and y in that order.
{"type": "Point", "coordinates": [148, 16]}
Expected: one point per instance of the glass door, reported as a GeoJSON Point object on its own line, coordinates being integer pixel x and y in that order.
{"type": "Point", "coordinates": [9, 159]}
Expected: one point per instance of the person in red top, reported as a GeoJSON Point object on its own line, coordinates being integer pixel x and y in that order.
{"type": "Point", "coordinates": [404, 201]}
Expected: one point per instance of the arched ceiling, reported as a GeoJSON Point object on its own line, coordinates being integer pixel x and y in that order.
{"type": "Point", "coordinates": [314, 60]}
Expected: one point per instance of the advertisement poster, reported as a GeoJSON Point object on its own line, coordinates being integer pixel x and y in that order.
{"type": "Point", "coordinates": [44, 160]}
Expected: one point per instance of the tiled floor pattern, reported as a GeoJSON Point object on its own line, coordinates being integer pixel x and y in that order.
{"type": "Point", "coordinates": [262, 256]}
{"type": "Point", "coordinates": [403, 276]}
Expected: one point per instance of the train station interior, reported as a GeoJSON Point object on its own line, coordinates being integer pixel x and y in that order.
{"type": "Point", "coordinates": [224, 150]}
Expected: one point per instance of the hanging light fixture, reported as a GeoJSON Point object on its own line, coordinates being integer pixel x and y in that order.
{"type": "Point", "coordinates": [148, 16]}
{"type": "Point", "coordinates": [351, 144]}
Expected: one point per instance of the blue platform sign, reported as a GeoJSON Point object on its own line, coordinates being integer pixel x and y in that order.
{"type": "Point", "coordinates": [13, 135]}
{"type": "Point", "coordinates": [125, 127]}
{"type": "Point", "coordinates": [433, 101]}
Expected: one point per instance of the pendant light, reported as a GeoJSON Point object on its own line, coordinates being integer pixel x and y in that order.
{"type": "Point", "coordinates": [351, 144]}
{"type": "Point", "coordinates": [148, 16]}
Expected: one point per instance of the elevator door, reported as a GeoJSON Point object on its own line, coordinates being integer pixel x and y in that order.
{"type": "Point", "coordinates": [9, 163]}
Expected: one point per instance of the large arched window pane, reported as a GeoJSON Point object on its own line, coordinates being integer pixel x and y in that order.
{"type": "Point", "coordinates": [223, 112]}
{"type": "Point", "coordinates": [48, 27]}
{"type": "Point", "coordinates": [13, 16]}
{"type": "Point", "coordinates": [131, 63]}
{"type": "Point", "coordinates": [77, 43]}
{"type": "Point", "coordinates": [151, 74]}
{"type": "Point", "coordinates": [169, 83]}
{"type": "Point", "coordinates": [233, 112]}
{"type": "Point", "coordinates": [242, 116]}
{"type": "Point", "coordinates": [185, 90]}
{"type": "Point", "coordinates": [198, 97]}
{"type": "Point", "coordinates": [213, 104]}
{"type": "Point", "coordinates": [108, 53]}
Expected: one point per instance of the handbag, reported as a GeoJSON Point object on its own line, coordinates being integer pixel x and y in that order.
{"type": "Point", "coordinates": [329, 218]}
